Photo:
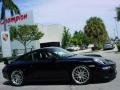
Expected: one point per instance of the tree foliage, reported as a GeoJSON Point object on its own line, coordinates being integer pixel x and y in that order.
{"type": "Point", "coordinates": [96, 30]}
{"type": "Point", "coordinates": [66, 37]}
{"type": "Point", "coordinates": [9, 5]}
{"type": "Point", "coordinates": [79, 38]}
{"type": "Point", "coordinates": [25, 34]}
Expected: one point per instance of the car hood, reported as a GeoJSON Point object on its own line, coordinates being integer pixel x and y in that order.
{"type": "Point", "coordinates": [83, 58]}
{"type": "Point", "coordinates": [78, 57]}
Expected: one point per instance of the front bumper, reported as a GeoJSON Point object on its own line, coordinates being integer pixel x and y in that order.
{"type": "Point", "coordinates": [107, 72]}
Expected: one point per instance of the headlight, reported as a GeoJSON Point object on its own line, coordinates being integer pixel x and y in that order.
{"type": "Point", "coordinates": [98, 61]}
{"type": "Point", "coordinates": [105, 68]}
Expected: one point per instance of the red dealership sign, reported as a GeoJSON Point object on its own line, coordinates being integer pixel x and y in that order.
{"type": "Point", "coordinates": [14, 19]}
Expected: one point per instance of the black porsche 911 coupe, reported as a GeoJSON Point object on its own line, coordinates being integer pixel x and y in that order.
{"type": "Point", "coordinates": [55, 63]}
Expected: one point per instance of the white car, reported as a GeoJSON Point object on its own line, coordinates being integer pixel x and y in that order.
{"type": "Point", "coordinates": [73, 48]}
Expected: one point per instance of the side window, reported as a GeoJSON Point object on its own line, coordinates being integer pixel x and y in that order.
{"type": "Point", "coordinates": [49, 55]}
{"type": "Point", "coordinates": [41, 56]}
{"type": "Point", "coordinates": [46, 55]}
{"type": "Point", "coordinates": [37, 56]}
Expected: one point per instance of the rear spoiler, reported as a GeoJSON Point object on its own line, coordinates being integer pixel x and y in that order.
{"type": "Point", "coordinates": [8, 60]}
{"type": "Point", "coordinates": [5, 61]}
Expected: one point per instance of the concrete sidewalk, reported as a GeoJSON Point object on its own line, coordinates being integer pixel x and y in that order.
{"type": "Point", "coordinates": [1, 64]}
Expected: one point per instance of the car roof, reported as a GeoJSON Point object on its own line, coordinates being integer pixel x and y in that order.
{"type": "Point", "coordinates": [50, 47]}
{"type": "Point", "coordinates": [45, 48]}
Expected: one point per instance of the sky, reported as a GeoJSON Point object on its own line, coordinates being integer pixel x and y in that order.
{"type": "Point", "coordinates": [73, 13]}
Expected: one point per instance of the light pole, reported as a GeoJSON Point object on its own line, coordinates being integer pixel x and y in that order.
{"type": "Point", "coordinates": [116, 28]}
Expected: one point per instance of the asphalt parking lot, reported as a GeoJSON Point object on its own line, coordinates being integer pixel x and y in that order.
{"type": "Point", "coordinates": [112, 85]}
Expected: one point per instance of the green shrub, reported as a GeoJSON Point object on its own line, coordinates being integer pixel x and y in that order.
{"type": "Point", "coordinates": [99, 47]}
{"type": "Point", "coordinates": [118, 46]}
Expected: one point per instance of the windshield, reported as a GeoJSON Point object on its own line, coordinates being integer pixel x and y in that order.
{"type": "Point", "coordinates": [62, 52]}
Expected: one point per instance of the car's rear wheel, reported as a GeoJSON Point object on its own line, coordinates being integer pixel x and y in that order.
{"type": "Point", "coordinates": [81, 75]}
{"type": "Point", "coordinates": [17, 78]}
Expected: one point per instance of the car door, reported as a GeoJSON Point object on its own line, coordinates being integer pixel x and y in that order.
{"type": "Point", "coordinates": [56, 68]}
{"type": "Point", "coordinates": [43, 66]}
{"type": "Point", "coordinates": [46, 66]}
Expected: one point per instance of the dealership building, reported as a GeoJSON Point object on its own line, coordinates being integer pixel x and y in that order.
{"type": "Point", "coordinates": [52, 32]}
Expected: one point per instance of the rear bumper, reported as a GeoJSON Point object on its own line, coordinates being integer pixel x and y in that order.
{"type": "Point", "coordinates": [5, 73]}
{"type": "Point", "coordinates": [6, 76]}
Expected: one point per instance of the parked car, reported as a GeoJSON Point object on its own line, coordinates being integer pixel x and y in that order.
{"type": "Point", "coordinates": [73, 48]}
{"type": "Point", "coordinates": [53, 63]}
{"type": "Point", "coordinates": [83, 47]}
{"type": "Point", "coordinates": [108, 46]}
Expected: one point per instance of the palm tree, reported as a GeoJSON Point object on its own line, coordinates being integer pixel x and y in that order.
{"type": "Point", "coordinates": [8, 5]}
{"type": "Point", "coordinates": [118, 13]}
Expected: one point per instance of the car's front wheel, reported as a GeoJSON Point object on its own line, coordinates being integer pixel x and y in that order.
{"type": "Point", "coordinates": [17, 77]}
{"type": "Point", "coordinates": [80, 74]}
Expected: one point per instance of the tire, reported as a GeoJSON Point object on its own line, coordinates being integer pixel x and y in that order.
{"type": "Point", "coordinates": [17, 77]}
{"type": "Point", "coordinates": [81, 75]}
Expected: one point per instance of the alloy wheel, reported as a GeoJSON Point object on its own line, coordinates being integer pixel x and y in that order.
{"type": "Point", "coordinates": [80, 74]}
{"type": "Point", "coordinates": [17, 77]}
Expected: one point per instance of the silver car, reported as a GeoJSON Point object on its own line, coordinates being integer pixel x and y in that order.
{"type": "Point", "coordinates": [108, 46]}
